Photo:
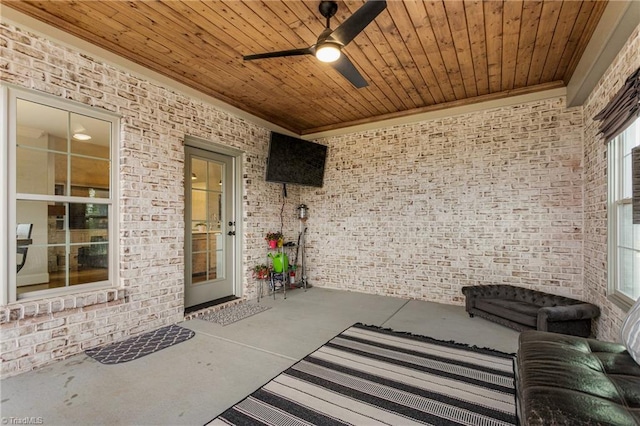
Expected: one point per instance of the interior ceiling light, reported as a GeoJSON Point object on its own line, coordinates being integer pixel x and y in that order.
{"type": "Point", "coordinates": [80, 135]}
{"type": "Point", "coordinates": [328, 52]}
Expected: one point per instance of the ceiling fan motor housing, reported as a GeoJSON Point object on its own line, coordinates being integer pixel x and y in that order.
{"type": "Point", "coordinates": [328, 9]}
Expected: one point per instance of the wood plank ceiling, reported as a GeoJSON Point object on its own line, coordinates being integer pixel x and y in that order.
{"type": "Point", "coordinates": [417, 56]}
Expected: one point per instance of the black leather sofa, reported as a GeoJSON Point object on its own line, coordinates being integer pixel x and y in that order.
{"type": "Point", "coordinates": [525, 309]}
{"type": "Point", "coordinates": [569, 380]}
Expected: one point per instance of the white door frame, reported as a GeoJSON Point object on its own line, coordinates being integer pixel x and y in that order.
{"type": "Point", "coordinates": [237, 156]}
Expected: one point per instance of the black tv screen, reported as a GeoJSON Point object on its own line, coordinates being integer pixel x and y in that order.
{"type": "Point", "coordinates": [296, 161]}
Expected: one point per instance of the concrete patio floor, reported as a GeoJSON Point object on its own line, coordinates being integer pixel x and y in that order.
{"type": "Point", "coordinates": [192, 382]}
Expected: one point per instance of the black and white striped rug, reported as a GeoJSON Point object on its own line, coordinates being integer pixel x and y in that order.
{"type": "Point", "coordinates": [367, 375]}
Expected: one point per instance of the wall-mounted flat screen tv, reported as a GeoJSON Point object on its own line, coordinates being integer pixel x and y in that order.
{"type": "Point", "coordinates": [295, 161]}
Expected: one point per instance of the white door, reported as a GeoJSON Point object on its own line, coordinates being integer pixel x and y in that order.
{"type": "Point", "coordinates": [210, 226]}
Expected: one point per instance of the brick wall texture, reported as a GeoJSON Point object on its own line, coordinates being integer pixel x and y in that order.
{"type": "Point", "coordinates": [422, 210]}
{"type": "Point", "coordinates": [154, 123]}
{"type": "Point", "coordinates": [595, 188]}
{"type": "Point", "coordinates": [509, 195]}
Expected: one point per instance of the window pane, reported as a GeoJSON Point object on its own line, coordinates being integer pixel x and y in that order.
{"type": "Point", "coordinates": [626, 176]}
{"type": "Point", "coordinates": [198, 174]}
{"type": "Point", "coordinates": [41, 253]}
{"type": "Point", "coordinates": [57, 268]}
{"type": "Point", "coordinates": [41, 126]}
{"type": "Point", "coordinates": [630, 138]}
{"type": "Point", "coordinates": [31, 242]}
{"type": "Point", "coordinates": [198, 267]}
{"type": "Point", "coordinates": [626, 270]}
{"type": "Point", "coordinates": [38, 172]}
{"type": "Point", "coordinates": [199, 209]}
{"type": "Point", "coordinates": [214, 210]}
{"type": "Point", "coordinates": [88, 217]}
{"type": "Point", "coordinates": [629, 275]}
{"type": "Point", "coordinates": [98, 132]}
{"type": "Point", "coordinates": [45, 218]}
{"type": "Point", "coordinates": [89, 249]}
{"type": "Point", "coordinates": [215, 176]}
{"type": "Point", "coordinates": [92, 261]}
{"type": "Point", "coordinates": [90, 173]}
{"type": "Point", "coordinates": [625, 227]}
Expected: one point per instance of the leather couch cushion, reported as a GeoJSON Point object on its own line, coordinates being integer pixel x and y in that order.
{"type": "Point", "coordinates": [572, 380]}
{"type": "Point", "coordinates": [514, 310]}
{"type": "Point", "coordinates": [549, 406]}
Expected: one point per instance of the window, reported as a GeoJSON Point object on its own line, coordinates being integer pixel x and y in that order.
{"type": "Point", "coordinates": [60, 163]}
{"type": "Point", "coordinates": [624, 236]}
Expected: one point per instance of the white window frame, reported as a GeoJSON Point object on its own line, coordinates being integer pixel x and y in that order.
{"type": "Point", "coordinates": [9, 95]}
{"type": "Point", "coordinates": [615, 201]}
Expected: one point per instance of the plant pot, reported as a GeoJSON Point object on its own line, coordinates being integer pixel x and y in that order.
{"type": "Point", "coordinates": [273, 244]}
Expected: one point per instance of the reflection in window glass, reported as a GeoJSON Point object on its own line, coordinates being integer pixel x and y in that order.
{"type": "Point", "coordinates": [90, 173]}
{"type": "Point", "coordinates": [40, 125]}
{"type": "Point", "coordinates": [62, 159]}
{"type": "Point", "coordinates": [90, 136]}
{"type": "Point", "coordinates": [624, 272]}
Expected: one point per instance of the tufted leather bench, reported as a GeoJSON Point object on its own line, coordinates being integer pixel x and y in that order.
{"type": "Point", "coordinates": [569, 380]}
{"type": "Point", "coordinates": [525, 309]}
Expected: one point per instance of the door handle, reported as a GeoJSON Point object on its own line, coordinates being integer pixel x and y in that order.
{"type": "Point", "coordinates": [231, 233]}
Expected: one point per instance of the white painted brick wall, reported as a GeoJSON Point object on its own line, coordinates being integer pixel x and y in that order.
{"type": "Point", "coordinates": [421, 210]}
{"type": "Point", "coordinates": [595, 239]}
{"type": "Point", "coordinates": [151, 217]}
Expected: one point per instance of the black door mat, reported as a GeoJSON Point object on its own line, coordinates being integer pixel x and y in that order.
{"type": "Point", "coordinates": [205, 305]}
{"type": "Point", "coordinates": [139, 346]}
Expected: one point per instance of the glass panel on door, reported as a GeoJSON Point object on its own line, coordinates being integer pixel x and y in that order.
{"type": "Point", "coordinates": [206, 216]}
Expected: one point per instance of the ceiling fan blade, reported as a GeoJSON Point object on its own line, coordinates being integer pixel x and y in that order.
{"type": "Point", "coordinates": [345, 67]}
{"type": "Point", "coordinates": [358, 21]}
{"type": "Point", "coordinates": [292, 52]}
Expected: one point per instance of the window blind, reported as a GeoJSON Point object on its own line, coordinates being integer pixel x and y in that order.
{"type": "Point", "coordinates": [622, 109]}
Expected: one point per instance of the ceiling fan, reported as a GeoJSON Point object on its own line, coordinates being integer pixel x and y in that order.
{"type": "Point", "coordinates": [330, 42]}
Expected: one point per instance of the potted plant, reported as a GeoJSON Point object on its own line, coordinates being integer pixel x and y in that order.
{"type": "Point", "coordinates": [261, 271]}
{"type": "Point", "coordinates": [292, 274]}
{"type": "Point", "coordinates": [274, 239]}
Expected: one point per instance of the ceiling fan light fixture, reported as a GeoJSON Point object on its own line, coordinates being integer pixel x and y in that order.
{"type": "Point", "coordinates": [328, 52]}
